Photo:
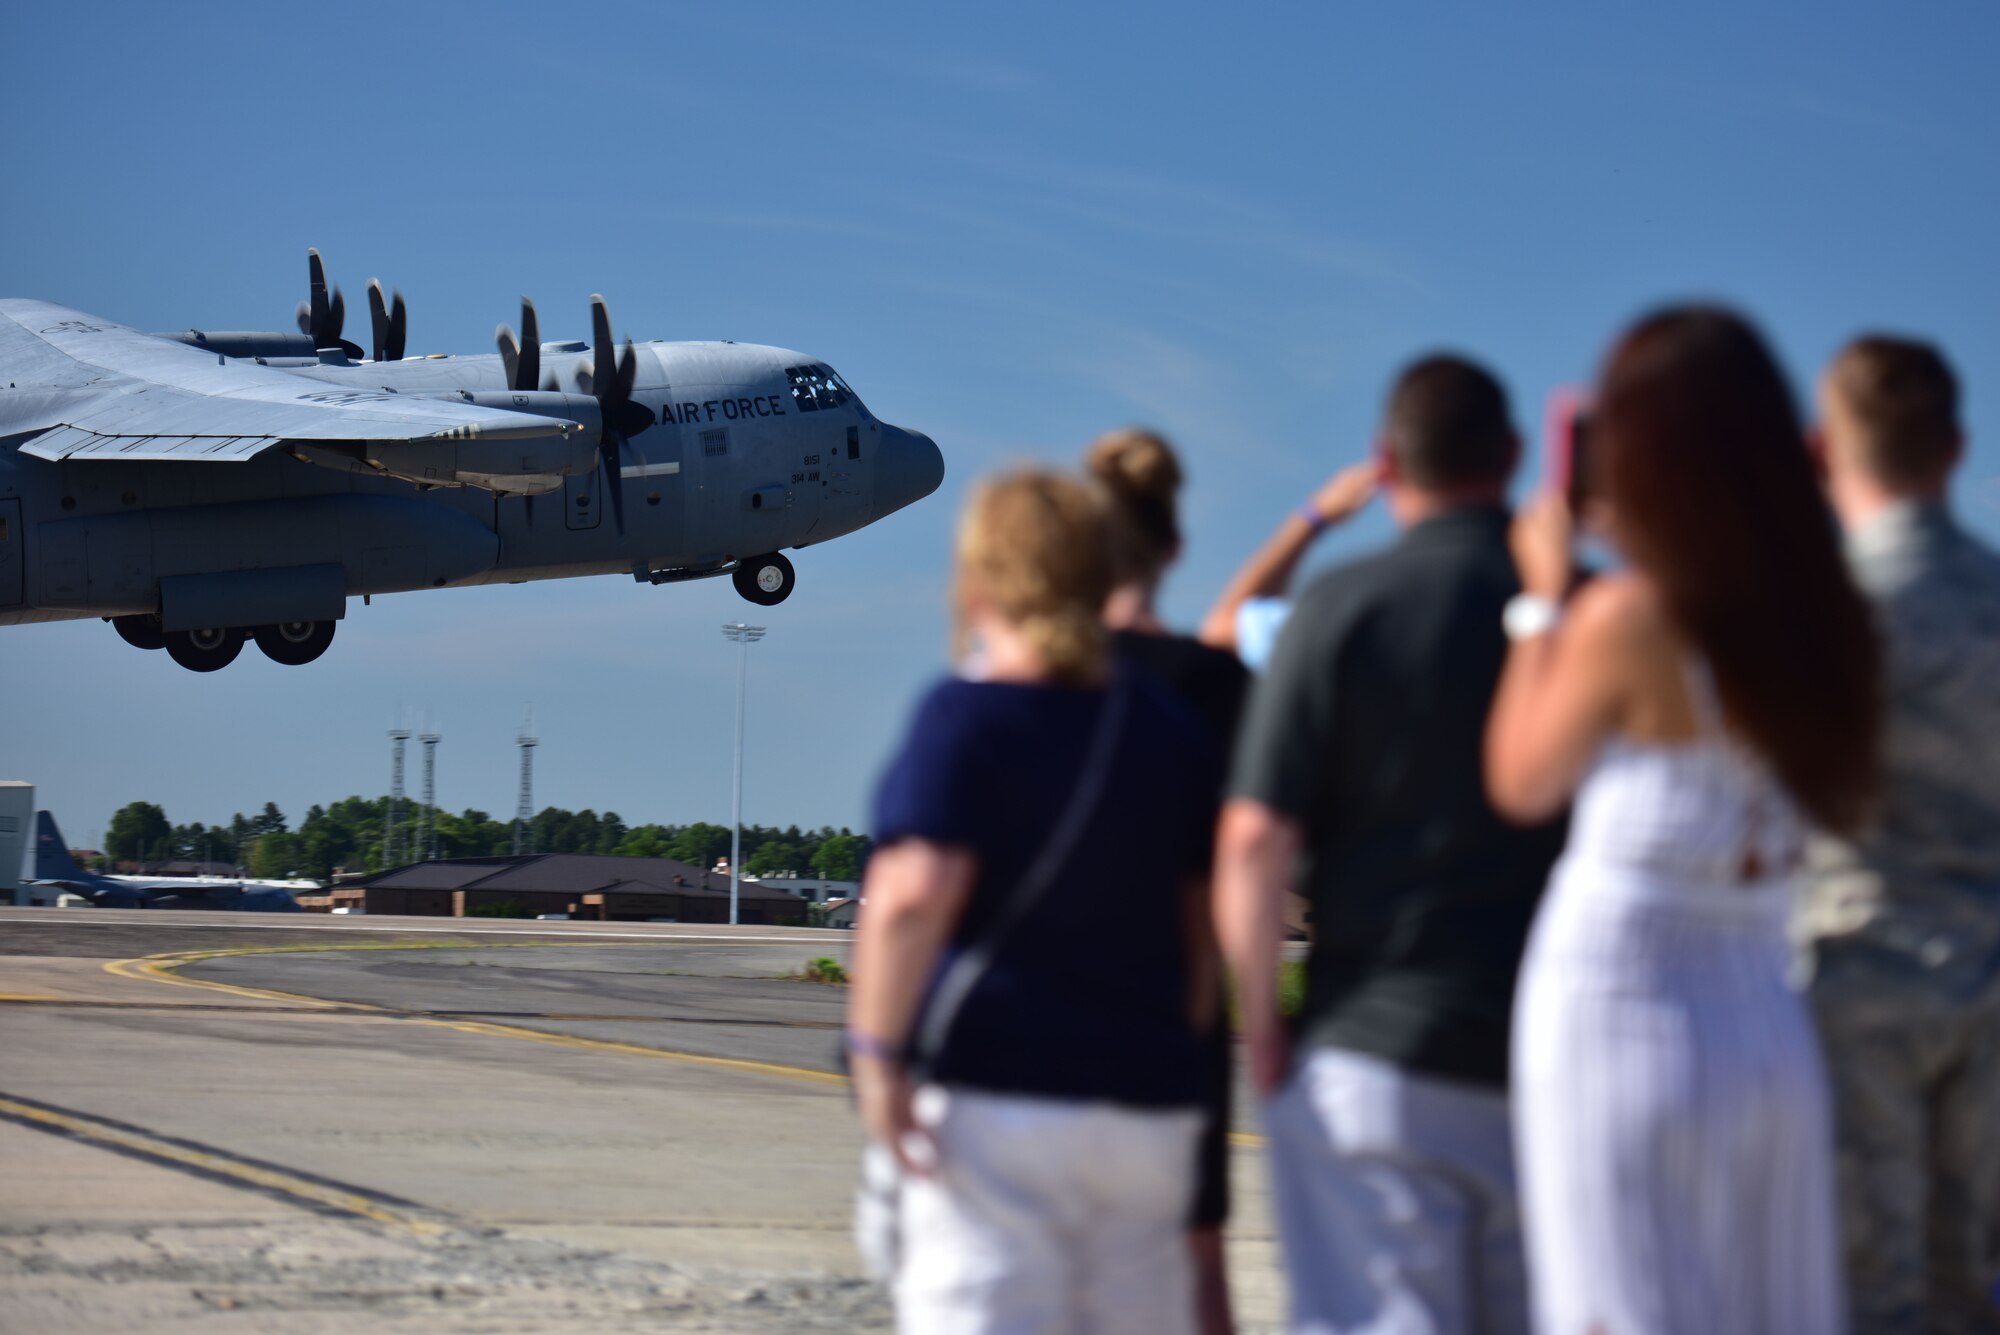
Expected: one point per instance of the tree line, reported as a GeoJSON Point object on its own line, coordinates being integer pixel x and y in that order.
{"type": "Point", "coordinates": [351, 835]}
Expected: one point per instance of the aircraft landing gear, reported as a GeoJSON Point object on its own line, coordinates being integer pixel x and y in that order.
{"type": "Point", "coordinates": [205, 650]}
{"type": "Point", "coordinates": [294, 642]}
{"type": "Point", "coordinates": [765, 580]}
{"type": "Point", "coordinates": [141, 631]}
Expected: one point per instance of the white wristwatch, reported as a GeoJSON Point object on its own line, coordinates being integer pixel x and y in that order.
{"type": "Point", "coordinates": [1528, 615]}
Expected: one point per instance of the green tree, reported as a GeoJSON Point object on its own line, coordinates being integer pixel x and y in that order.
{"type": "Point", "coordinates": [700, 844]}
{"type": "Point", "coordinates": [645, 841]}
{"type": "Point", "coordinates": [775, 857]}
{"type": "Point", "coordinates": [841, 857]}
{"type": "Point", "coordinates": [275, 856]}
{"type": "Point", "coordinates": [138, 831]}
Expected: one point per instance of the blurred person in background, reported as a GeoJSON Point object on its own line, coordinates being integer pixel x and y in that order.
{"type": "Point", "coordinates": [1701, 707]}
{"type": "Point", "coordinates": [1358, 769]}
{"type": "Point", "coordinates": [1142, 478]}
{"type": "Point", "coordinates": [1253, 607]}
{"type": "Point", "coordinates": [1902, 923]}
{"type": "Point", "coordinates": [1025, 1031]}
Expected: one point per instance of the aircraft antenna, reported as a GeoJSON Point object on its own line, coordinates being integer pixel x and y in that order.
{"type": "Point", "coordinates": [392, 827]}
{"type": "Point", "coordinates": [427, 840]}
{"type": "Point", "coordinates": [524, 810]}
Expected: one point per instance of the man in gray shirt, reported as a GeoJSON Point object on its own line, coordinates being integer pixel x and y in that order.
{"type": "Point", "coordinates": [1903, 925]}
{"type": "Point", "coordinates": [1358, 775]}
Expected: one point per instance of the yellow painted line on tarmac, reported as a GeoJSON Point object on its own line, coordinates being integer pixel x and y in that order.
{"type": "Point", "coordinates": [28, 996]}
{"type": "Point", "coordinates": [160, 969]}
{"type": "Point", "coordinates": [93, 1131]}
{"type": "Point", "coordinates": [805, 1073]}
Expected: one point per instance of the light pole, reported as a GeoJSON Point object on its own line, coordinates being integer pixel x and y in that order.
{"type": "Point", "coordinates": [744, 636]}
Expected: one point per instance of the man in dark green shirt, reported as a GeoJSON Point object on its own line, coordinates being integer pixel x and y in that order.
{"type": "Point", "coordinates": [1359, 768]}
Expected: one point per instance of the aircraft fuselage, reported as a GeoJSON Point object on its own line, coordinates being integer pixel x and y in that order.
{"type": "Point", "coordinates": [752, 450]}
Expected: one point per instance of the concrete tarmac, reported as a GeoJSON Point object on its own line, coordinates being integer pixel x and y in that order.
{"type": "Point", "coordinates": [402, 1125]}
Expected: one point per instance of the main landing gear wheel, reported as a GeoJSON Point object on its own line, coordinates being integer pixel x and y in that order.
{"type": "Point", "coordinates": [294, 642]}
{"type": "Point", "coordinates": [141, 631]}
{"type": "Point", "coordinates": [765, 580]}
{"type": "Point", "coordinates": [205, 650]}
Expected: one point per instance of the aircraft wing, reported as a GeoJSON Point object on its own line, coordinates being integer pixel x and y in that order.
{"type": "Point", "coordinates": [100, 391]}
{"type": "Point", "coordinates": [159, 422]}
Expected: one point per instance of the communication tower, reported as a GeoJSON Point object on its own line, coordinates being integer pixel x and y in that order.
{"type": "Point", "coordinates": [524, 810]}
{"type": "Point", "coordinates": [392, 828]}
{"type": "Point", "coordinates": [427, 840]}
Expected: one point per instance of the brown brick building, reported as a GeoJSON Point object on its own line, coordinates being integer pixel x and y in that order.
{"type": "Point", "coordinates": [582, 885]}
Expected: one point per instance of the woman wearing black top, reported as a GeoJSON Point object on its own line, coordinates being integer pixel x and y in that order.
{"type": "Point", "coordinates": [1142, 479]}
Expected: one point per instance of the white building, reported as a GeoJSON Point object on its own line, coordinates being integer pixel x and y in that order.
{"type": "Point", "coordinates": [809, 888]}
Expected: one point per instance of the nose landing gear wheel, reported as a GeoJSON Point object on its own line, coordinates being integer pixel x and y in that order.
{"type": "Point", "coordinates": [765, 580]}
{"type": "Point", "coordinates": [140, 631]}
{"type": "Point", "coordinates": [205, 650]}
{"type": "Point", "coordinates": [294, 642]}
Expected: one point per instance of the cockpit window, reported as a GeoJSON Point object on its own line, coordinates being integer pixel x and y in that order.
{"type": "Point", "coordinates": [816, 386]}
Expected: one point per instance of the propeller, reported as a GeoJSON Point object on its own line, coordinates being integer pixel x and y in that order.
{"type": "Point", "coordinates": [610, 378]}
{"type": "Point", "coordinates": [523, 357]}
{"type": "Point", "coordinates": [322, 317]}
{"type": "Point", "coordinates": [391, 322]}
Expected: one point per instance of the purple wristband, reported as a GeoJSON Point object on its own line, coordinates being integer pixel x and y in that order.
{"type": "Point", "coordinates": [1310, 513]}
{"type": "Point", "coordinates": [867, 1045]}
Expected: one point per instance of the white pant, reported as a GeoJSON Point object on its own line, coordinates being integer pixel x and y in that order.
{"type": "Point", "coordinates": [1046, 1217]}
{"type": "Point", "coordinates": [1395, 1201]}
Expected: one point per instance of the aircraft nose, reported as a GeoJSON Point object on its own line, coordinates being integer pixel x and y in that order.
{"type": "Point", "coordinates": [908, 467]}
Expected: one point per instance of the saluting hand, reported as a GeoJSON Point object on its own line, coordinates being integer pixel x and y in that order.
{"type": "Point", "coordinates": [1346, 492]}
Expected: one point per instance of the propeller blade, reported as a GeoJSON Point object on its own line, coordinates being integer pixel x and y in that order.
{"type": "Point", "coordinates": [399, 326]}
{"type": "Point", "coordinates": [336, 319]}
{"type": "Point", "coordinates": [612, 455]}
{"type": "Point", "coordinates": [628, 370]}
{"type": "Point", "coordinates": [378, 319]}
{"type": "Point", "coordinates": [305, 318]}
{"type": "Point", "coordinates": [531, 347]}
{"type": "Point", "coordinates": [550, 383]}
{"type": "Point", "coordinates": [510, 354]}
{"type": "Point", "coordinates": [602, 351]}
{"type": "Point", "coordinates": [632, 417]}
{"type": "Point", "coordinates": [321, 313]}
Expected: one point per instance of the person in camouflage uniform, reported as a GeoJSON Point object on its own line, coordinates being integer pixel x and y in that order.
{"type": "Point", "coordinates": [1902, 927]}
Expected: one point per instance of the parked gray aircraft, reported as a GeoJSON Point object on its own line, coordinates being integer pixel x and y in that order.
{"type": "Point", "coordinates": [56, 869]}
{"type": "Point", "coordinates": [198, 489]}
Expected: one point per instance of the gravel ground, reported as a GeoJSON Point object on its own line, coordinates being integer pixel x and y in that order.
{"type": "Point", "coordinates": [316, 1277]}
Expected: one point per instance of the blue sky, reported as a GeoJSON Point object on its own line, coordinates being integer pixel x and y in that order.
{"type": "Point", "coordinates": [1009, 226]}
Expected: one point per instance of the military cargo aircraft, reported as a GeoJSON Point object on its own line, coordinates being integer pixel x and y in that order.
{"type": "Point", "coordinates": [202, 488]}
{"type": "Point", "coordinates": [55, 869]}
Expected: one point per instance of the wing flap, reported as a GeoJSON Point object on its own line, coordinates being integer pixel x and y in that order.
{"type": "Point", "coordinates": [74, 442]}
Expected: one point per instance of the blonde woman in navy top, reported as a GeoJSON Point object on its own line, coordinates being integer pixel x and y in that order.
{"type": "Point", "coordinates": [1046, 821]}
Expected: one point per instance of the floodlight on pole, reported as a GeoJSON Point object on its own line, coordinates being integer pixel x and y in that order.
{"type": "Point", "coordinates": [743, 636]}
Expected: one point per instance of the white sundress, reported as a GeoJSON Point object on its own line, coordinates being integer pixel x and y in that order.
{"type": "Point", "coordinates": [1671, 1115]}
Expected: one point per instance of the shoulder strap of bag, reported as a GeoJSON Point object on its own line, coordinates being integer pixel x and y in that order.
{"type": "Point", "coordinates": [972, 963]}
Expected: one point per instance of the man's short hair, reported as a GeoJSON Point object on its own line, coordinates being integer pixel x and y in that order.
{"type": "Point", "coordinates": [1904, 401]}
{"type": "Point", "coordinates": [1448, 425]}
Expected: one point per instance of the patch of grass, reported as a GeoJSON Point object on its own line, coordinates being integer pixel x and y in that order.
{"type": "Point", "coordinates": [1291, 993]}
{"type": "Point", "coordinates": [824, 969]}
{"type": "Point", "coordinates": [1292, 987]}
